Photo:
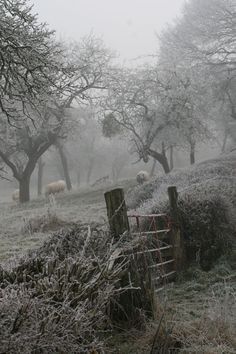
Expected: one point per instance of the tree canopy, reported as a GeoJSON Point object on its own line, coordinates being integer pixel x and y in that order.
{"type": "Point", "coordinates": [29, 65]}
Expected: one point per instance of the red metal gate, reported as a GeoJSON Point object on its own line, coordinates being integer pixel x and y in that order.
{"type": "Point", "coordinates": [153, 231]}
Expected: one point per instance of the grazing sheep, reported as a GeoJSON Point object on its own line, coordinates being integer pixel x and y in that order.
{"type": "Point", "coordinates": [55, 187]}
{"type": "Point", "coordinates": [16, 195]}
{"type": "Point", "coordinates": [142, 176]}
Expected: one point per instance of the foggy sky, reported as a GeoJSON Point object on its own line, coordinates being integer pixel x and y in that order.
{"type": "Point", "coordinates": [126, 26]}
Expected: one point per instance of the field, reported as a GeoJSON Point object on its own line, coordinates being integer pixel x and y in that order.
{"type": "Point", "coordinates": [82, 206]}
{"type": "Point", "coordinates": [197, 311]}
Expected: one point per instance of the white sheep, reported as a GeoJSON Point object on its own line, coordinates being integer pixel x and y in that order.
{"type": "Point", "coordinates": [55, 187]}
{"type": "Point", "coordinates": [16, 195]}
{"type": "Point", "coordinates": [142, 176]}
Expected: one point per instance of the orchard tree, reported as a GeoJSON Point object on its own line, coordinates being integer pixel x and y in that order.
{"type": "Point", "coordinates": [204, 34]}
{"type": "Point", "coordinates": [84, 147]}
{"type": "Point", "coordinates": [158, 108]}
{"type": "Point", "coordinates": [133, 102]}
{"type": "Point", "coordinates": [88, 62]}
{"type": "Point", "coordinates": [22, 144]}
{"type": "Point", "coordinates": [29, 66]}
{"type": "Point", "coordinates": [224, 107]}
{"type": "Point", "coordinates": [187, 100]}
{"type": "Point", "coordinates": [204, 40]}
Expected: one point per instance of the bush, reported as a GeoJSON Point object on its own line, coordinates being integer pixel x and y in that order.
{"type": "Point", "coordinates": [205, 229]}
{"type": "Point", "coordinates": [66, 296]}
{"type": "Point", "coordinates": [207, 206]}
{"type": "Point", "coordinates": [55, 300]}
{"type": "Point", "coordinates": [211, 174]}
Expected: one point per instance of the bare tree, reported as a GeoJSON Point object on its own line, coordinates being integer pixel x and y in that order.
{"type": "Point", "coordinates": [133, 103]}
{"type": "Point", "coordinates": [29, 66]}
{"type": "Point", "coordinates": [64, 163]}
{"type": "Point", "coordinates": [205, 34]}
{"type": "Point", "coordinates": [41, 165]}
{"type": "Point", "coordinates": [204, 40]}
{"type": "Point", "coordinates": [157, 108]}
{"type": "Point", "coordinates": [51, 123]}
{"type": "Point", "coordinates": [25, 145]}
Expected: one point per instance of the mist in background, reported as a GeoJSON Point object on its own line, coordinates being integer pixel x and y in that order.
{"type": "Point", "coordinates": [129, 27]}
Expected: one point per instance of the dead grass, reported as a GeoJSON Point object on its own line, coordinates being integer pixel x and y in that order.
{"type": "Point", "coordinates": [25, 227]}
{"type": "Point", "coordinates": [195, 315]}
{"type": "Point", "coordinates": [43, 223]}
{"type": "Point", "coordinates": [203, 311]}
{"type": "Point", "coordinates": [199, 309]}
{"type": "Point", "coordinates": [55, 299]}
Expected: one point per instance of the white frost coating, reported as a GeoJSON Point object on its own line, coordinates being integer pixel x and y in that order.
{"type": "Point", "coordinates": [206, 180]}
{"type": "Point", "coordinates": [55, 187]}
{"type": "Point", "coordinates": [16, 195]}
{"type": "Point", "coordinates": [142, 176]}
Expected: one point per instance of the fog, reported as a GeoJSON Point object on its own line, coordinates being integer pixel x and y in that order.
{"type": "Point", "coordinates": [124, 86]}
{"type": "Point", "coordinates": [117, 176]}
{"type": "Point", "coordinates": [130, 27]}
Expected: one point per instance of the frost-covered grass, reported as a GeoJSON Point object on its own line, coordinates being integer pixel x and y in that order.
{"type": "Point", "coordinates": [27, 226]}
{"type": "Point", "coordinates": [195, 315]}
{"type": "Point", "coordinates": [201, 311]}
{"type": "Point", "coordinates": [56, 299]}
{"type": "Point", "coordinates": [199, 308]}
{"type": "Point", "coordinates": [207, 205]}
{"type": "Point", "coordinates": [205, 178]}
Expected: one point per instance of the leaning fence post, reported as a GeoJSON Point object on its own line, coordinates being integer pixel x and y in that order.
{"type": "Point", "coordinates": [176, 235]}
{"type": "Point", "coordinates": [136, 297]}
{"type": "Point", "coordinates": [117, 212]}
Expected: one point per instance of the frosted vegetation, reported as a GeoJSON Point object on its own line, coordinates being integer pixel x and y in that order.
{"type": "Point", "coordinates": [56, 299]}
{"type": "Point", "coordinates": [72, 111]}
{"type": "Point", "coordinates": [207, 205]}
{"type": "Point", "coordinates": [213, 173]}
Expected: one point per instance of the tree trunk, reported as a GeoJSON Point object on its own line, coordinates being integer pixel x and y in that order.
{"type": "Point", "coordinates": [89, 172]}
{"type": "Point", "coordinates": [192, 153]}
{"type": "Point", "coordinates": [23, 175]}
{"type": "Point", "coordinates": [161, 158]}
{"type": "Point", "coordinates": [24, 180]}
{"type": "Point", "coordinates": [40, 175]}
{"type": "Point", "coordinates": [24, 186]}
{"type": "Point", "coordinates": [153, 167]}
{"type": "Point", "coordinates": [171, 157]}
{"type": "Point", "coordinates": [224, 141]}
{"type": "Point", "coordinates": [114, 173]}
{"type": "Point", "coordinates": [64, 165]}
{"type": "Point", "coordinates": [78, 178]}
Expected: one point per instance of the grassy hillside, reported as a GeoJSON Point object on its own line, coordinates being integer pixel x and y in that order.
{"type": "Point", "coordinates": [207, 205]}
{"type": "Point", "coordinates": [55, 299]}
{"type": "Point", "coordinates": [27, 226]}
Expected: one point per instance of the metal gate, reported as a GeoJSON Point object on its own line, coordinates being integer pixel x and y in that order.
{"type": "Point", "coordinates": [155, 253]}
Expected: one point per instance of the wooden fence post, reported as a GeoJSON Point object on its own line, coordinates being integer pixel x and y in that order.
{"type": "Point", "coordinates": [117, 212]}
{"type": "Point", "coordinates": [176, 235]}
{"type": "Point", "coordinates": [137, 297]}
